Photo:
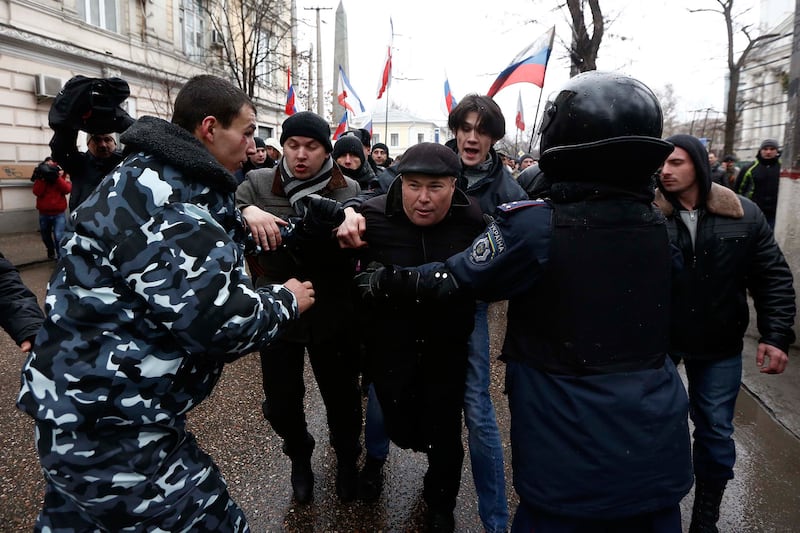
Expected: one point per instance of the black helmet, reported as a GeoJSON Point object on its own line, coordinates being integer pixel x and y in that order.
{"type": "Point", "coordinates": [605, 119]}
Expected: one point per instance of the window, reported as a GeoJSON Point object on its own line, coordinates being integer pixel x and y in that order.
{"type": "Point", "coordinates": [193, 28]}
{"type": "Point", "coordinates": [100, 13]}
{"type": "Point", "coordinates": [376, 138]}
{"type": "Point", "coordinates": [265, 132]}
{"type": "Point", "coordinates": [265, 73]}
{"type": "Point", "coordinates": [420, 138]}
{"type": "Point", "coordinates": [395, 139]}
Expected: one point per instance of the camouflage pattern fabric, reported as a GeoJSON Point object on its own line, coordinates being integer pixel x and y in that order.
{"type": "Point", "coordinates": [148, 302]}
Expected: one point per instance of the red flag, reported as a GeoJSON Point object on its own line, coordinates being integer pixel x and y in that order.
{"type": "Point", "coordinates": [290, 108]}
{"type": "Point", "coordinates": [520, 118]}
{"type": "Point", "coordinates": [386, 77]}
{"type": "Point", "coordinates": [341, 128]}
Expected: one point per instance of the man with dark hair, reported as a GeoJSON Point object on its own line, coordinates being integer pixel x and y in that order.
{"type": "Point", "coordinates": [599, 425]}
{"type": "Point", "coordinates": [759, 182]}
{"type": "Point", "coordinates": [728, 250]}
{"type": "Point", "coordinates": [149, 301]}
{"type": "Point", "coordinates": [477, 123]}
{"type": "Point", "coordinates": [307, 170]}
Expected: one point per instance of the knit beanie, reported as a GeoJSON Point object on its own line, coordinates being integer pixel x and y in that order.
{"type": "Point", "coordinates": [349, 144]}
{"type": "Point", "coordinates": [769, 143]}
{"type": "Point", "coordinates": [307, 124]}
{"type": "Point", "coordinates": [260, 142]}
{"type": "Point", "coordinates": [381, 146]}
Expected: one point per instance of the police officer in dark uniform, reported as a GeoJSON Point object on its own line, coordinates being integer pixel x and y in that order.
{"type": "Point", "coordinates": [599, 429]}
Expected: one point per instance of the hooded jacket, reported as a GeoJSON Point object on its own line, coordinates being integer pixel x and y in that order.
{"type": "Point", "coordinates": [151, 297]}
{"type": "Point", "coordinates": [734, 252]}
{"type": "Point", "coordinates": [20, 314]}
{"type": "Point", "coordinates": [759, 182]}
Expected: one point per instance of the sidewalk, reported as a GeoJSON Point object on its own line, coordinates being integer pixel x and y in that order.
{"type": "Point", "coordinates": [23, 249]}
{"type": "Point", "coordinates": [780, 395]}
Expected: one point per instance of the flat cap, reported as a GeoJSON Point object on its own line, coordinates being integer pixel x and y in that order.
{"type": "Point", "coordinates": [432, 159]}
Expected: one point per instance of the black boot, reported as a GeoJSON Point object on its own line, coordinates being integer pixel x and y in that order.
{"type": "Point", "coordinates": [302, 479]}
{"type": "Point", "coordinates": [441, 520]}
{"type": "Point", "coordinates": [705, 512]}
{"type": "Point", "coordinates": [346, 480]}
{"type": "Point", "coordinates": [370, 480]}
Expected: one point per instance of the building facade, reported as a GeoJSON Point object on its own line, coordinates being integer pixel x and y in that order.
{"type": "Point", "coordinates": [155, 45]}
{"type": "Point", "coordinates": [399, 130]}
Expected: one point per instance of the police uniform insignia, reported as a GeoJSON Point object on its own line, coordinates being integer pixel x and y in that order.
{"type": "Point", "coordinates": [488, 246]}
{"type": "Point", "coordinates": [513, 206]}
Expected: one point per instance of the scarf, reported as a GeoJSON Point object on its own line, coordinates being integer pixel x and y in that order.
{"type": "Point", "coordinates": [297, 189]}
{"type": "Point", "coordinates": [475, 174]}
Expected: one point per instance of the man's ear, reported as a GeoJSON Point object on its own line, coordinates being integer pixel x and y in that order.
{"type": "Point", "coordinates": [205, 130]}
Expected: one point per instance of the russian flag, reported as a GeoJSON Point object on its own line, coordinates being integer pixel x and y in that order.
{"type": "Point", "coordinates": [341, 128]}
{"type": "Point", "coordinates": [529, 65]}
{"type": "Point", "coordinates": [367, 124]}
{"type": "Point", "coordinates": [449, 100]}
{"type": "Point", "coordinates": [290, 108]}
{"type": "Point", "coordinates": [520, 118]}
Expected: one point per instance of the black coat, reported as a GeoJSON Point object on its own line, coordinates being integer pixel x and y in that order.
{"type": "Point", "coordinates": [735, 252]}
{"type": "Point", "coordinates": [417, 352]}
{"type": "Point", "coordinates": [20, 314]}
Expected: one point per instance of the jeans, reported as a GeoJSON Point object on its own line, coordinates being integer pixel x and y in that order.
{"type": "Point", "coordinates": [713, 388]}
{"type": "Point", "coordinates": [51, 228]}
{"type": "Point", "coordinates": [376, 440]}
{"type": "Point", "coordinates": [485, 447]}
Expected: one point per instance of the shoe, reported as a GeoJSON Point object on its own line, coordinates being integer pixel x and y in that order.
{"type": "Point", "coordinates": [302, 480]}
{"type": "Point", "coordinates": [346, 481]}
{"type": "Point", "coordinates": [705, 511]}
{"type": "Point", "coordinates": [441, 521]}
{"type": "Point", "coordinates": [370, 480]}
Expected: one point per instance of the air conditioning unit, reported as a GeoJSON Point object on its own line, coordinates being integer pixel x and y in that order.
{"type": "Point", "coordinates": [217, 38]}
{"type": "Point", "coordinates": [48, 86]}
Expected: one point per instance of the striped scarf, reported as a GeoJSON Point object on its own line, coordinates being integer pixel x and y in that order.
{"type": "Point", "coordinates": [297, 189]}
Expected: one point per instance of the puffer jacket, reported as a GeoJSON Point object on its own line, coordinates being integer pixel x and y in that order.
{"type": "Point", "coordinates": [151, 297]}
{"type": "Point", "coordinates": [735, 251]}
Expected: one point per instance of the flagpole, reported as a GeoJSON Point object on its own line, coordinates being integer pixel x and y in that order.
{"type": "Point", "coordinates": [386, 120]}
{"type": "Point", "coordinates": [536, 119]}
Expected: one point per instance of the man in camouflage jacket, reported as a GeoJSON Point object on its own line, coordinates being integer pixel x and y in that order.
{"type": "Point", "coordinates": [148, 302]}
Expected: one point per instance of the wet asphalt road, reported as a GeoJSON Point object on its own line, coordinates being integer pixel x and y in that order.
{"type": "Point", "coordinates": [765, 496]}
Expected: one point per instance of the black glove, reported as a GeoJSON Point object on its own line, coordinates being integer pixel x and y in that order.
{"type": "Point", "coordinates": [379, 281]}
{"type": "Point", "coordinates": [322, 216]}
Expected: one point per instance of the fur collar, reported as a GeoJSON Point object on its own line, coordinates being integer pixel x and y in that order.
{"type": "Point", "coordinates": [721, 201]}
{"type": "Point", "coordinates": [177, 147]}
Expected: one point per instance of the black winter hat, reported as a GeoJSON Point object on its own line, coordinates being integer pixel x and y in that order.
{"type": "Point", "coordinates": [728, 157]}
{"type": "Point", "coordinates": [260, 142]}
{"type": "Point", "coordinates": [363, 135]}
{"type": "Point", "coordinates": [432, 159]}
{"type": "Point", "coordinates": [307, 124]}
{"type": "Point", "coordinates": [348, 144]}
{"type": "Point", "coordinates": [381, 146]}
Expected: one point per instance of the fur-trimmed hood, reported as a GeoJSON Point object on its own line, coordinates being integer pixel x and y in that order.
{"type": "Point", "coordinates": [720, 201]}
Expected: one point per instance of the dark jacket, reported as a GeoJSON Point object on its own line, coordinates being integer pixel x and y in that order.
{"type": "Point", "coordinates": [20, 314]}
{"type": "Point", "coordinates": [417, 352]}
{"type": "Point", "coordinates": [734, 252]}
{"type": "Point", "coordinates": [327, 266]}
{"type": "Point", "coordinates": [759, 182]}
{"type": "Point", "coordinates": [364, 175]}
{"type": "Point", "coordinates": [85, 170]}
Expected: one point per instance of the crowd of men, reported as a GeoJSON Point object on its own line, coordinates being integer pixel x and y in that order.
{"type": "Point", "coordinates": [383, 270]}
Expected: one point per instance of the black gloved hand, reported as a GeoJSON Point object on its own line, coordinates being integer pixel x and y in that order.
{"type": "Point", "coordinates": [322, 216]}
{"type": "Point", "coordinates": [379, 281]}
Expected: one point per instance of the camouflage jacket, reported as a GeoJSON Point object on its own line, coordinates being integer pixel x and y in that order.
{"type": "Point", "coordinates": [151, 297]}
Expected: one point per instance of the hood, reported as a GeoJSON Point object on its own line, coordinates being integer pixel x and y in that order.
{"type": "Point", "coordinates": [699, 156]}
{"type": "Point", "coordinates": [177, 147]}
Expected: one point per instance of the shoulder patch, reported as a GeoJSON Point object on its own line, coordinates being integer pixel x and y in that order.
{"type": "Point", "coordinates": [489, 245]}
{"type": "Point", "coordinates": [520, 204]}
